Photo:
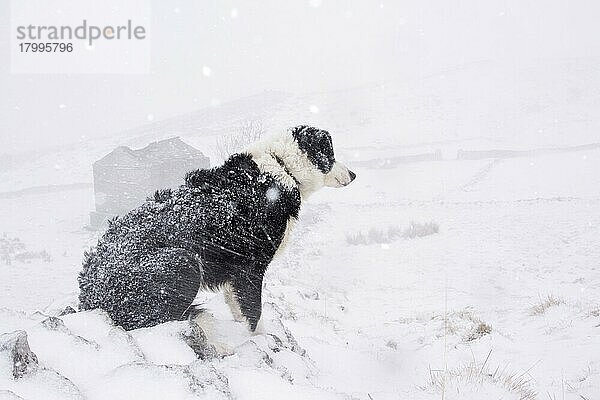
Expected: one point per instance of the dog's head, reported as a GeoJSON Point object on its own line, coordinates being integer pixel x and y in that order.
{"type": "Point", "coordinates": [320, 167]}
{"type": "Point", "coordinates": [316, 144]}
{"type": "Point", "coordinates": [302, 157]}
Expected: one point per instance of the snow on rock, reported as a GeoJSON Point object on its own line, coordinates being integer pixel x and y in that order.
{"type": "Point", "coordinates": [45, 384]}
{"type": "Point", "coordinates": [151, 381]}
{"type": "Point", "coordinates": [194, 337]}
{"type": "Point", "coordinates": [15, 350]}
{"type": "Point", "coordinates": [83, 354]}
{"type": "Point", "coordinates": [164, 344]}
{"type": "Point", "coordinates": [8, 395]}
{"type": "Point", "coordinates": [22, 374]}
{"type": "Point", "coordinates": [67, 310]}
{"type": "Point", "coordinates": [54, 324]}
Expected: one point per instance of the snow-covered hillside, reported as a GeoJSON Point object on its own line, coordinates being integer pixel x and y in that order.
{"type": "Point", "coordinates": [549, 105]}
{"type": "Point", "coordinates": [475, 278]}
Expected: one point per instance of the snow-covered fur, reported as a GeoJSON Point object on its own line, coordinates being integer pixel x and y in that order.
{"type": "Point", "coordinates": [221, 229]}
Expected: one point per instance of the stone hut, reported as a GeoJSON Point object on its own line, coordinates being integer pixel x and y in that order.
{"type": "Point", "coordinates": [124, 178]}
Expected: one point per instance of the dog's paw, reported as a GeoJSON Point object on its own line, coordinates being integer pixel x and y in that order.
{"type": "Point", "coordinates": [261, 329]}
{"type": "Point", "coordinates": [223, 349]}
{"type": "Point", "coordinates": [239, 318]}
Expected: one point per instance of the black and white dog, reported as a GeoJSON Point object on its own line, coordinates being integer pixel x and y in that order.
{"type": "Point", "coordinates": [220, 230]}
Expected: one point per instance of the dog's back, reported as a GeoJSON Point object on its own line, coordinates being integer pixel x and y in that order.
{"type": "Point", "coordinates": [148, 266]}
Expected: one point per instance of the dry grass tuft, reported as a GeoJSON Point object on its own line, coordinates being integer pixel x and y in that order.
{"type": "Point", "coordinates": [12, 249]}
{"type": "Point", "coordinates": [480, 331]}
{"type": "Point", "coordinates": [544, 304]}
{"type": "Point", "coordinates": [392, 233]}
{"type": "Point", "coordinates": [472, 378]}
{"type": "Point", "coordinates": [245, 134]}
{"type": "Point", "coordinates": [594, 312]}
{"type": "Point", "coordinates": [463, 324]}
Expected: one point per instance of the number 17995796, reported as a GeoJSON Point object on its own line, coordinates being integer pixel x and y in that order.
{"type": "Point", "coordinates": [50, 47]}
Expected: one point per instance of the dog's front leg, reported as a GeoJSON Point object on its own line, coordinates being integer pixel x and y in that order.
{"type": "Point", "coordinates": [247, 291]}
{"type": "Point", "coordinates": [233, 303]}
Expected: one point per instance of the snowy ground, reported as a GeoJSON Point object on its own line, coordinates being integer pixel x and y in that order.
{"type": "Point", "coordinates": [501, 301]}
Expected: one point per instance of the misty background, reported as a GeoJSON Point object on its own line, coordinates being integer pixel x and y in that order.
{"type": "Point", "coordinates": [477, 64]}
{"type": "Point", "coordinates": [463, 259]}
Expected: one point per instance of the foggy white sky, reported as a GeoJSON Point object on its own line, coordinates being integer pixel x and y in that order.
{"type": "Point", "coordinates": [295, 46]}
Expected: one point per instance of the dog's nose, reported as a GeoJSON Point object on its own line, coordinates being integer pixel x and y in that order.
{"type": "Point", "coordinates": [352, 175]}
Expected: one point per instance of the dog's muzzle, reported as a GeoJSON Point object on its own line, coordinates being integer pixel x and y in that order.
{"type": "Point", "coordinates": [339, 176]}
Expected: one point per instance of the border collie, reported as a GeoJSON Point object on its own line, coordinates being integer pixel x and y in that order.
{"type": "Point", "coordinates": [219, 230]}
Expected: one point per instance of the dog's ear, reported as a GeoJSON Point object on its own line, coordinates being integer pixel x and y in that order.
{"type": "Point", "coordinates": [316, 144]}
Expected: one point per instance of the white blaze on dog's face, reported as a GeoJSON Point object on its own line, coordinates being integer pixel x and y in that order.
{"type": "Point", "coordinates": [316, 147]}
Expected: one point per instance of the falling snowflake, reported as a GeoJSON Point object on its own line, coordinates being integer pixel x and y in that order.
{"type": "Point", "coordinates": [150, 117]}
{"type": "Point", "coordinates": [272, 194]}
{"type": "Point", "coordinates": [313, 109]}
{"type": "Point", "coordinates": [62, 106]}
{"type": "Point", "coordinates": [234, 13]}
{"type": "Point", "coordinates": [206, 71]}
